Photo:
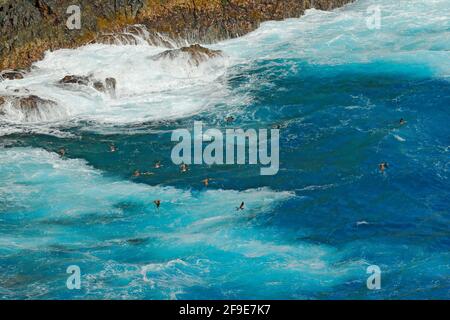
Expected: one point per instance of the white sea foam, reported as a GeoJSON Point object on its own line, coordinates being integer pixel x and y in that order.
{"type": "Point", "coordinates": [80, 188]}
{"type": "Point", "coordinates": [50, 195]}
{"type": "Point", "coordinates": [412, 33]}
{"type": "Point", "coordinates": [171, 275]}
{"type": "Point", "coordinates": [147, 90]}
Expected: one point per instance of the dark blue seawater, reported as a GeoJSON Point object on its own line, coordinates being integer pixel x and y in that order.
{"type": "Point", "coordinates": [310, 232]}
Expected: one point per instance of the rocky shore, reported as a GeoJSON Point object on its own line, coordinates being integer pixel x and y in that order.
{"type": "Point", "coordinates": [30, 27]}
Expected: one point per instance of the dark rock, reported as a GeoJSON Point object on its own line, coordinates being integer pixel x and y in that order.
{"type": "Point", "coordinates": [137, 30]}
{"type": "Point", "coordinates": [31, 102]}
{"type": "Point", "coordinates": [30, 105]}
{"type": "Point", "coordinates": [157, 40]}
{"type": "Point", "coordinates": [21, 91]}
{"type": "Point", "coordinates": [152, 37]}
{"type": "Point", "coordinates": [111, 86]}
{"type": "Point", "coordinates": [11, 75]}
{"type": "Point", "coordinates": [26, 102]}
{"type": "Point", "coordinates": [99, 86]}
{"type": "Point", "coordinates": [117, 39]}
{"type": "Point", "coordinates": [134, 35]}
{"type": "Point", "coordinates": [46, 11]}
{"type": "Point", "coordinates": [196, 54]}
{"type": "Point", "coordinates": [29, 28]}
{"type": "Point", "coordinates": [81, 80]}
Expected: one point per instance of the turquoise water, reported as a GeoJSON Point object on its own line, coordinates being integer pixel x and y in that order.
{"type": "Point", "coordinates": [336, 88]}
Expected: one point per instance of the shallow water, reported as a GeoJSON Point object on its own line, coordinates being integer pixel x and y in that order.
{"type": "Point", "coordinates": [338, 91]}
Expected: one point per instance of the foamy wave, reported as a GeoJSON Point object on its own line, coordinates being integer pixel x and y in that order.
{"type": "Point", "coordinates": [172, 276]}
{"type": "Point", "coordinates": [153, 90]}
{"type": "Point", "coordinates": [44, 190]}
{"type": "Point", "coordinates": [45, 171]}
{"type": "Point", "coordinates": [411, 32]}
{"type": "Point", "coordinates": [10, 128]}
{"type": "Point", "coordinates": [147, 89]}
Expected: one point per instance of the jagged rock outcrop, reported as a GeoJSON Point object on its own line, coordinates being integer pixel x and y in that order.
{"type": "Point", "coordinates": [31, 107]}
{"type": "Point", "coordinates": [152, 37]}
{"type": "Point", "coordinates": [117, 38]}
{"type": "Point", "coordinates": [135, 35]}
{"type": "Point", "coordinates": [73, 79]}
{"type": "Point", "coordinates": [195, 54]}
{"type": "Point", "coordinates": [29, 28]}
{"type": "Point", "coordinates": [11, 75]}
{"type": "Point", "coordinates": [26, 103]}
{"type": "Point", "coordinates": [107, 86]}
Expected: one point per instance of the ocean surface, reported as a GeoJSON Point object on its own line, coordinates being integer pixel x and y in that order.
{"type": "Point", "coordinates": [335, 87]}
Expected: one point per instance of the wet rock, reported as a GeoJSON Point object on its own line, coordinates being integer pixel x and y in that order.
{"type": "Point", "coordinates": [11, 75]}
{"type": "Point", "coordinates": [135, 35]}
{"type": "Point", "coordinates": [153, 38]}
{"type": "Point", "coordinates": [31, 102]}
{"type": "Point", "coordinates": [157, 40]}
{"type": "Point", "coordinates": [99, 86]}
{"type": "Point", "coordinates": [196, 54]}
{"type": "Point", "coordinates": [117, 39]}
{"type": "Point", "coordinates": [26, 102]}
{"type": "Point", "coordinates": [111, 86]}
{"type": "Point", "coordinates": [106, 86]}
{"type": "Point", "coordinates": [72, 79]}
{"type": "Point", "coordinates": [21, 91]}
{"type": "Point", "coordinates": [32, 107]}
{"type": "Point", "coordinates": [29, 28]}
{"type": "Point", "coordinates": [137, 30]}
